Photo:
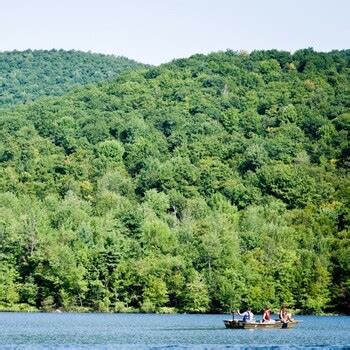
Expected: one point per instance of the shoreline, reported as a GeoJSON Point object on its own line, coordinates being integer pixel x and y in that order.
{"type": "Point", "coordinates": [137, 311]}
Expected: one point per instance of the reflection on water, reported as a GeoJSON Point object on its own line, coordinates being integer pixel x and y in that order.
{"type": "Point", "coordinates": [138, 331]}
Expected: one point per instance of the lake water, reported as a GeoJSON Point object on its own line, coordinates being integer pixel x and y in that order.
{"type": "Point", "coordinates": [142, 331]}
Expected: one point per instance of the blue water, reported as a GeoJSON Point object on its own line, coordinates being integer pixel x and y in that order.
{"type": "Point", "coordinates": [140, 331]}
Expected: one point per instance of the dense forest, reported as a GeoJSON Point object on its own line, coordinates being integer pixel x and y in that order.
{"type": "Point", "coordinates": [27, 75]}
{"type": "Point", "coordinates": [202, 185]}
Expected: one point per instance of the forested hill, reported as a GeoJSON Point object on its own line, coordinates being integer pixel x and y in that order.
{"type": "Point", "coordinates": [202, 185]}
{"type": "Point", "coordinates": [26, 75]}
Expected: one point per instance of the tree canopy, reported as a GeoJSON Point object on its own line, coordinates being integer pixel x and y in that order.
{"type": "Point", "coordinates": [27, 75]}
{"type": "Point", "coordinates": [201, 185]}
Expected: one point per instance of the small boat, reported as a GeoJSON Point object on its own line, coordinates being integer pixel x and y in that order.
{"type": "Point", "coordinates": [240, 324]}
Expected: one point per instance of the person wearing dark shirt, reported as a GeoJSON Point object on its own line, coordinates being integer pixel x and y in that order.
{"type": "Point", "coordinates": [266, 315]}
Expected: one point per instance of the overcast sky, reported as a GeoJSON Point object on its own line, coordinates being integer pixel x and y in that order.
{"type": "Point", "coordinates": [156, 31]}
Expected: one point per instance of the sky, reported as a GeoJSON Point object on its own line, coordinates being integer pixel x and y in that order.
{"type": "Point", "coordinates": [157, 31]}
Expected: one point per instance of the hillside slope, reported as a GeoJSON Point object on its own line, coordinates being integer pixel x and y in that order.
{"type": "Point", "coordinates": [201, 185]}
{"type": "Point", "coordinates": [27, 75]}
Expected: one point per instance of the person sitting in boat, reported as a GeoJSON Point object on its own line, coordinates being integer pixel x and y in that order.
{"type": "Point", "coordinates": [266, 318]}
{"type": "Point", "coordinates": [248, 316]}
{"type": "Point", "coordinates": [284, 315]}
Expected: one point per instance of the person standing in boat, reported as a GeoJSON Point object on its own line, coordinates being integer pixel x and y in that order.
{"type": "Point", "coordinates": [284, 315]}
{"type": "Point", "coordinates": [248, 316]}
